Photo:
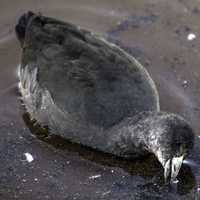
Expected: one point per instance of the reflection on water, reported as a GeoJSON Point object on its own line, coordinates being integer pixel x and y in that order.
{"type": "Point", "coordinates": [190, 163]}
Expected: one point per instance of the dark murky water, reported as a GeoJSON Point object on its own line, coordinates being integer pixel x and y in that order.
{"type": "Point", "coordinates": [154, 31]}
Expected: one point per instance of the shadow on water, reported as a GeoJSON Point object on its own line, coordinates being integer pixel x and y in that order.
{"type": "Point", "coordinates": [145, 167]}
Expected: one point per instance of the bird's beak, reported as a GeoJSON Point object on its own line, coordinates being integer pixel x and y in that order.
{"type": "Point", "coordinates": [172, 168]}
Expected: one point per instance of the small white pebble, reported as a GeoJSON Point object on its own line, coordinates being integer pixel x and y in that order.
{"type": "Point", "coordinates": [29, 157]}
{"type": "Point", "coordinates": [24, 180]}
{"type": "Point", "coordinates": [112, 171]}
{"type": "Point", "coordinates": [95, 176]}
{"type": "Point", "coordinates": [35, 179]}
{"type": "Point", "coordinates": [185, 83]}
{"type": "Point", "coordinates": [198, 189]}
{"type": "Point", "coordinates": [191, 36]}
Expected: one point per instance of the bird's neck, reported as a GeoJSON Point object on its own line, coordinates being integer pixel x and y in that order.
{"type": "Point", "coordinates": [129, 137]}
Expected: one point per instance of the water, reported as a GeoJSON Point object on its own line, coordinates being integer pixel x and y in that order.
{"type": "Point", "coordinates": [153, 31]}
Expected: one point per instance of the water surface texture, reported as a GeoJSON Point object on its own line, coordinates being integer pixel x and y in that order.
{"type": "Point", "coordinates": [165, 37]}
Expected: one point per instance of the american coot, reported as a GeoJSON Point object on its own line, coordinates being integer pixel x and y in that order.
{"type": "Point", "coordinates": [92, 92]}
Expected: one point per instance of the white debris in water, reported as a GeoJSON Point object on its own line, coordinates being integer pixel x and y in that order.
{"type": "Point", "coordinates": [106, 193]}
{"type": "Point", "coordinates": [24, 180]}
{"type": "Point", "coordinates": [198, 189]}
{"type": "Point", "coordinates": [112, 171]}
{"type": "Point", "coordinates": [191, 36]}
{"type": "Point", "coordinates": [29, 157]}
{"type": "Point", "coordinates": [185, 83]}
{"type": "Point", "coordinates": [35, 179]}
{"type": "Point", "coordinates": [68, 162]}
{"type": "Point", "coordinates": [95, 176]}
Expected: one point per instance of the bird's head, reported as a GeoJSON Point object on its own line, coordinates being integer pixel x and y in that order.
{"type": "Point", "coordinates": [170, 139]}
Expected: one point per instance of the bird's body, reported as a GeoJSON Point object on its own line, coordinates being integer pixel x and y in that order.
{"type": "Point", "coordinates": [91, 91]}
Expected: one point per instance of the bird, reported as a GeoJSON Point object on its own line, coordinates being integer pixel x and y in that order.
{"type": "Point", "coordinates": [92, 92]}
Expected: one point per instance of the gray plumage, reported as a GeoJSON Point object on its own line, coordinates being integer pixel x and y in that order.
{"type": "Point", "coordinates": [92, 92]}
